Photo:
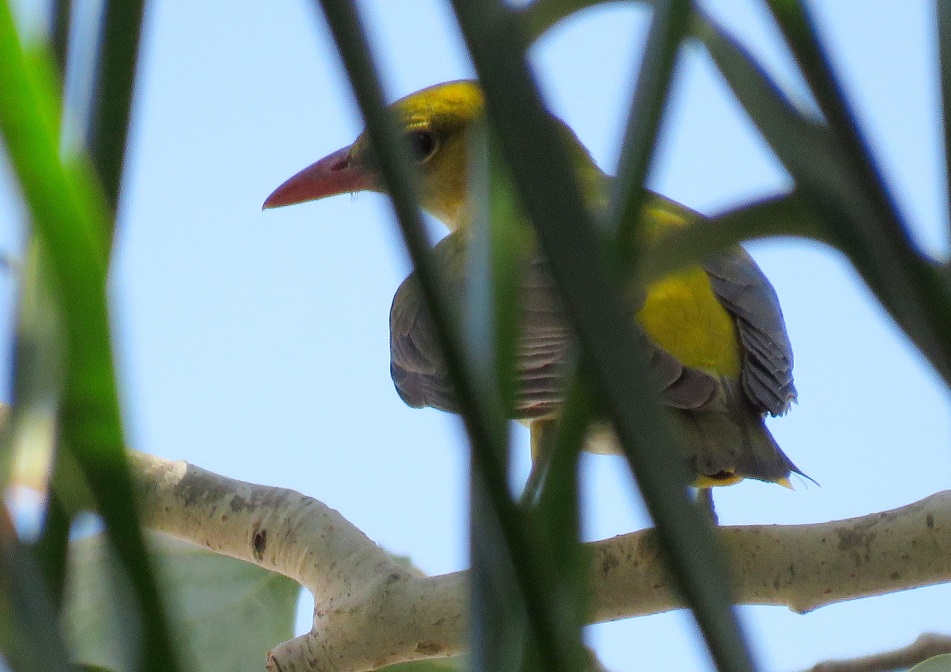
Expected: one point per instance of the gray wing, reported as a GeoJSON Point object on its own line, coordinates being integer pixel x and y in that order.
{"type": "Point", "coordinates": [417, 365]}
{"type": "Point", "coordinates": [545, 351]}
{"type": "Point", "coordinates": [742, 289]}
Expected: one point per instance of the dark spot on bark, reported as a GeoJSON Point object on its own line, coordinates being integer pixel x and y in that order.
{"type": "Point", "coordinates": [259, 543]}
{"type": "Point", "coordinates": [855, 540]}
{"type": "Point", "coordinates": [240, 504]}
{"type": "Point", "coordinates": [895, 576]}
{"type": "Point", "coordinates": [929, 520]}
{"type": "Point", "coordinates": [650, 543]}
{"type": "Point", "coordinates": [195, 489]}
{"type": "Point", "coordinates": [427, 647]}
{"type": "Point", "coordinates": [608, 562]}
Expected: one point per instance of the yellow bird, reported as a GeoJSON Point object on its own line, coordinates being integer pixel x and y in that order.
{"type": "Point", "coordinates": [720, 347]}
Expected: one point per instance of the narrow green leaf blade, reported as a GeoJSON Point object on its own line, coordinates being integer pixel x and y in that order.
{"type": "Point", "coordinates": [69, 214]}
{"type": "Point", "coordinates": [908, 285]}
{"type": "Point", "coordinates": [669, 26]}
{"type": "Point", "coordinates": [787, 215]}
{"type": "Point", "coordinates": [478, 409]}
{"type": "Point", "coordinates": [498, 632]}
{"type": "Point", "coordinates": [29, 635]}
{"type": "Point", "coordinates": [943, 21]}
{"type": "Point", "coordinates": [545, 180]}
{"type": "Point", "coordinates": [115, 81]}
{"type": "Point", "coordinates": [541, 15]}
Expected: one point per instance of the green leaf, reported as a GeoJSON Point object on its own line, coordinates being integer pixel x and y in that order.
{"type": "Point", "coordinates": [38, 362]}
{"type": "Point", "coordinates": [60, 14]}
{"type": "Point", "coordinates": [454, 664]}
{"type": "Point", "coordinates": [31, 436]}
{"type": "Point", "coordinates": [668, 28]}
{"type": "Point", "coordinates": [786, 215]}
{"type": "Point", "coordinates": [836, 184]}
{"type": "Point", "coordinates": [29, 638]}
{"type": "Point", "coordinates": [941, 663]}
{"type": "Point", "coordinates": [799, 29]}
{"type": "Point", "coordinates": [943, 21]}
{"type": "Point", "coordinates": [541, 15]}
{"type": "Point", "coordinates": [69, 215]}
{"type": "Point", "coordinates": [546, 182]}
{"type": "Point", "coordinates": [480, 408]}
{"type": "Point", "coordinates": [498, 632]}
{"type": "Point", "coordinates": [115, 79]}
{"type": "Point", "coordinates": [227, 613]}
{"type": "Point", "coordinates": [558, 519]}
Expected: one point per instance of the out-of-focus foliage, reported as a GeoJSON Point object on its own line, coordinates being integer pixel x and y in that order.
{"type": "Point", "coordinates": [226, 614]}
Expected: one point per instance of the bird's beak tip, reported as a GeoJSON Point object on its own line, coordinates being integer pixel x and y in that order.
{"type": "Point", "coordinates": [270, 203]}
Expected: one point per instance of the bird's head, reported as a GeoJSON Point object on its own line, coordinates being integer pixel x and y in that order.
{"type": "Point", "coordinates": [436, 123]}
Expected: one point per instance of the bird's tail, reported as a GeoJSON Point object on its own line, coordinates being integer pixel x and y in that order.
{"type": "Point", "coordinates": [726, 441]}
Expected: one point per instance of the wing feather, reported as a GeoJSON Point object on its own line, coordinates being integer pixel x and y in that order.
{"type": "Point", "coordinates": [745, 292]}
{"type": "Point", "coordinates": [546, 349]}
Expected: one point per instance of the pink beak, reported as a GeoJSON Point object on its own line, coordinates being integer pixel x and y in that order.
{"type": "Point", "coordinates": [332, 175]}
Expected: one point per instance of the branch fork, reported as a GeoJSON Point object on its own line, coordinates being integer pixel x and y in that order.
{"type": "Point", "coordinates": [372, 610]}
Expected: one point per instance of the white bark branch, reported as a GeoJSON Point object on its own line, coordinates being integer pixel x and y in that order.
{"type": "Point", "coordinates": [372, 611]}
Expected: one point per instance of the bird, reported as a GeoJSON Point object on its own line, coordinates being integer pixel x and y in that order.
{"type": "Point", "coordinates": [715, 332]}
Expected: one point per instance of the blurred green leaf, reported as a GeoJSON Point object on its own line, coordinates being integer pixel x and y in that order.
{"type": "Point", "coordinates": [498, 633]}
{"type": "Point", "coordinates": [227, 613]}
{"type": "Point", "coordinates": [557, 518]}
{"type": "Point", "coordinates": [69, 214]}
{"type": "Point", "coordinates": [60, 16]}
{"type": "Point", "coordinates": [29, 637]}
{"type": "Point", "coordinates": [454, 664]}
{"type": "Point", "coordinates": [669, 25]}
{"type": "Point", "coordinates": [787, 215]}
{"type": "Point", "coordinates": [541, 15]}
{"type": "Point", "coordinates": [480, 408]}
{"type": "Point", "coordinates": [838, 193]}
{"type": "Point", "coordinates": [545, 180]}
{"type": "Point", "coordinates": [498, 252]}
{"type": "Point", "coordinates": [940, 663]}
{"type": "Point", "coordinates": [943, 22]}
{"type": "Point", "coordinates": [801, 33]}
{"type": "Point", "coordinates": [38, 362]}
{"type": "Point", "coordinates": [112, 104]}
{"type": "Point", "coordinates": [32, 430]}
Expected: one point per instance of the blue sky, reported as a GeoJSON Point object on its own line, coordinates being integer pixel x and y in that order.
{"type": "Point", "coordinates": [255, 343]}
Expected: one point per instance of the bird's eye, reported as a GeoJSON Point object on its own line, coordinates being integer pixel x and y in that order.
{"type": "Point", "coordinates": [422, 144]}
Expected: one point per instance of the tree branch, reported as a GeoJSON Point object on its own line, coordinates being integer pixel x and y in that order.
{"type": "Point", "coordinates": [371, 610]}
